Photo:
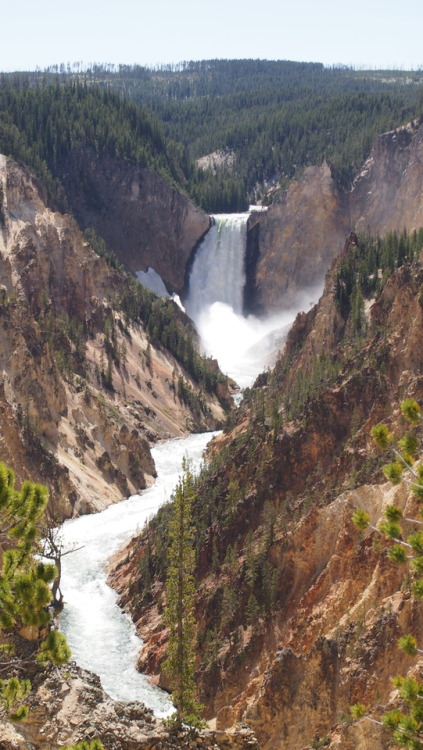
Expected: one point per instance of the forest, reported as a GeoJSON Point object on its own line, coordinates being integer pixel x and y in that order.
{"type": "Point", "coordinates": [272, 118]}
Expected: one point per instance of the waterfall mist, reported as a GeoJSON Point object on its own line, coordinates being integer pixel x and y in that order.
{"type": "Point", "coordinates": [243, 345]}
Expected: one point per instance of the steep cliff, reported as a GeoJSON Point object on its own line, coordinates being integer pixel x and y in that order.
{"type": "Point", "coordinates": [144, 220]}
{"type": "Point", "coordinates": [298, 615]}
{"type": "Point", "coordinates": [387, 193]}
{"type": "Point", "coordinates": [84, 388]}
{"type": "Point", "coordinates": [292, 244]}
{"type": "Point", "coordinates": [295, 240]}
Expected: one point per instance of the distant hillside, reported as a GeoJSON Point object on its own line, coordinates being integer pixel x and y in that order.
{"type": "Point", "coordinates": [41, 124]}
{"type": "Point", "coordinates": [106, 161]}
{"type": "Point", "coordinates": [273, 117]}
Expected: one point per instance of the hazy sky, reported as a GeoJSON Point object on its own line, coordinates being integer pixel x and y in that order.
{"type": "Point", "coordinates": [369, 33]}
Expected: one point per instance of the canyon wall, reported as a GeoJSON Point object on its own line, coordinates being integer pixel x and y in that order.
{"type": "Point", "coordinates": [298, 612]}
{"type": "Point", "coordinates": [142, 218]}
{"type": "Point", "coordinates": [83, 391]}
{"type": "Point", "coordinates": [291, 245]}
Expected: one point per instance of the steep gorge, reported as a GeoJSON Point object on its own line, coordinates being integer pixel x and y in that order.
{"type": "Point", "coordinates": [298, 616]}
{"type": "Point", "coordinates": [323, 636]}
{"type": "Point", "coordinates": [84, 390]}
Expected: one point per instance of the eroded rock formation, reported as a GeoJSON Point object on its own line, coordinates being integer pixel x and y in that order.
{"type": "Point", "coordinates": [69, 706]}
{"type": "Point", "coordinates": [63, 424]}
{"type": "Point", "coordinates": [145, 221]}
{"type": "Point", "coordinates": [291, 245]}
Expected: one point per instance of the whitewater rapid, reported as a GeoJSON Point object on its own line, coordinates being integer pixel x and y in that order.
{"type": "Point", "coordinates": [102, 638]}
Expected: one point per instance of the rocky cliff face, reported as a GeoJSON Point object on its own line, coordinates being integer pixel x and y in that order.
{"type": "Point", "coordinates": [298, 613]}
{"type": "Point", "coordinates": [296, 240]}
{"type": "Point", "coordinates": [290, 246]}
{"type": "Point", "coordinates": [63, 424]}
{"type": "Point", "coordinates": [387, 194]}
{"type": "Point", "coordinates": [145, 221]}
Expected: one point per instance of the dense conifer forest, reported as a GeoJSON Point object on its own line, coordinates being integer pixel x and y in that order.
{"type": "Point", "coordinates": [268, 120]}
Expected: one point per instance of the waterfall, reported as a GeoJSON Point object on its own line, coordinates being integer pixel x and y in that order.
{"type": "Point", "coordinates": [243, 345]}
{"type": "Point", "coordinates": [218, 272]}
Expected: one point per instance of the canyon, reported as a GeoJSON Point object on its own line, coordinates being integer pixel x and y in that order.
{"type": "Point", "coordinates": [332, 640]}
{"type": "Point", "coordinates": [326, 633]}
{"type": "Point", "coordinates": [61, 425]}
{"type": "Point", "coordinates": [336, 605]}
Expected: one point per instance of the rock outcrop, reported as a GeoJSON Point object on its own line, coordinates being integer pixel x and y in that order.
{"type": "Point", "coordinates": [69, 706]}
{"type": "Point", "coordinates": [75, 417]}
{"type": "Point", "coordinates": [145, 221]}
{"type": "Point", "coordinates": [291, 246]}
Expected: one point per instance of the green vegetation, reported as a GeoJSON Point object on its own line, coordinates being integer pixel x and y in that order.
{"type": "Point", "coordinates": [25, 598]}
{"type": "Point", "coordinates": [308, 385]}
{"type": "Point", "coordinates": [405, 724]}
{"type": "Point", "coordinates": [217, 499]}
{"type": "Point", "coordinates": [275, 117]}
{"type": "Point", "coordinates": [41, 124]}
{"type": "Point", "coordinates": [25, 589]}
{"type": "Point", "coordinates": [271, 118]}
{"type": "Point", "coordinates": [169, 327]}
{"type": "Point", "coordinates": [180, 590]}
{"type": "Point", "coordinates": [364, 270]}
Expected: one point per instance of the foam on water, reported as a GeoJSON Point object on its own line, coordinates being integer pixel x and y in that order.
{"type": "Point", "coordinates": [101, 636]}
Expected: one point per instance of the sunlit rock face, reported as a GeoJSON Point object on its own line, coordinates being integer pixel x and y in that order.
{"type": "Point", "coordinates": [60, 424]}
{"type": "Point", "coordinates": [291, 245]}
{"type": "Point", "coordinates": [388, 192]}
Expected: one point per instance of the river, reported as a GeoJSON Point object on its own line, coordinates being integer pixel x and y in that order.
{"type": "Point", "coordinates": [101, 636]}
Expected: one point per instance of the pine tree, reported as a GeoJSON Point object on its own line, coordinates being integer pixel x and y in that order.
{"type": "Point", "coordinates": [406, 725]}
{"type": "Point", "coordinates": [180, 590]}
{"type": "Point", "coordinates": [25, 586]}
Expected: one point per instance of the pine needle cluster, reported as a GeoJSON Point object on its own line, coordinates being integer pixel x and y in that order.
{"type": "Point", "coordinates": [25, 588]}
{"type": "Point", "coordinates": [405, 726]}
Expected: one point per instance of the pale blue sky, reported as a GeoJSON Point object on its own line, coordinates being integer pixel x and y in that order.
{"type": "Point", "coordinates": [369, 33]}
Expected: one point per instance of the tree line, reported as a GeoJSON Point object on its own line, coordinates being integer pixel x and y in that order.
{"type": "Point", "coordinates": [274, 117]}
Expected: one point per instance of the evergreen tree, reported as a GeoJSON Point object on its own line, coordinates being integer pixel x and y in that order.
{"type": "Point", "coordinates": [180, 590]}
{"type": "Point", "coordinates": [25, 587]}
{"type": "Point", "coordinates": [405, 724]}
